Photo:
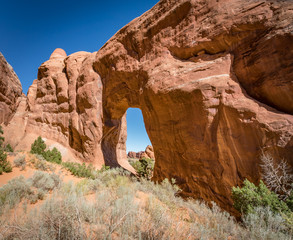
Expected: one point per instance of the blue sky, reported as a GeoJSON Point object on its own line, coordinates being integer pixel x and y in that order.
{"type": "Point", "coordinates": [32, 29]}
{"type": "Point", "coordinates": [137, 138]}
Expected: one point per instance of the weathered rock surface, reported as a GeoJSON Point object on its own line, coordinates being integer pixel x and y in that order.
{"type": "Point", "coordinates": [64, 106]}
{"type": "Point", "coordinates": [214, 82]}
{"type": "Point", "coordinates": [148, 153]}
{"type": "Point", "coordinates": [213, 79]}
{"type": "Point", "coordinates": [10, 90]}
{"type": "Point", "coordinates": [131, 154]}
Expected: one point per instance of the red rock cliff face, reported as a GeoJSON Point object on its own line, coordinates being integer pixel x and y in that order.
{"type": "Point", "coordinates": [213, 79]}
{"type": "Point", "coordinates": [65, 104]}
{"type": "Point", "coordinates": [214, 82]}
{"type": "Point", "coordinates": [10, 91]}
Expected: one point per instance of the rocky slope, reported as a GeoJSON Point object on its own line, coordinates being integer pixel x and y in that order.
{"type": "Point", "coordinates": [213, 79]}
{"type": "Point", "coordinates": [10, 90]}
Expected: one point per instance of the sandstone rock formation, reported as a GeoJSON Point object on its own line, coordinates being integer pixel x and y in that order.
{"type": "Point", "coordinates": [10, 90]}
{"type": "Point", "coordinates": [148, 153]}
{"type": "Point", "coordinates": [213, 79]}
{"type": "Point", "coordinates": [64, 106]}
{"type": "Point", "coordinates": [131, 154]}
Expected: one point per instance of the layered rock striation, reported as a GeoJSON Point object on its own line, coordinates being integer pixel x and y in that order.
{"type": "Point", "coordinates": [213, 79]}
{"type": "Point", "coordinates": [10, 91]}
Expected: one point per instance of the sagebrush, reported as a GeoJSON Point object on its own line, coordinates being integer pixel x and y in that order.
{"type": "Point", "coordinates": [117, 206]}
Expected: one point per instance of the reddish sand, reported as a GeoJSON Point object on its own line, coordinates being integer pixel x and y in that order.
{"type": "Point", "coordinates": [30, 170]}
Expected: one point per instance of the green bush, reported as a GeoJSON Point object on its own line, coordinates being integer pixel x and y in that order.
{"type": "Point", "coordinates": [8, 148]}
{"type": "Point", "coordinates": [53, 156]}
{"type": "Point", "coordinates": [1, 137]}
{"type": "Point", "coordinates": [81, 170]}
{"type": "Point", "coordinates": [104, 168]}
{"type": "Point", "coordinates": [5, 166]}
{"type": "Point", "coordinates": [38, 147]}
{"type": "Point", "coordinates": [249, 197]}
{"type": "Point", "coordinates": [289, 200]}
{"type": "Point", "coordinates": [144, 167]}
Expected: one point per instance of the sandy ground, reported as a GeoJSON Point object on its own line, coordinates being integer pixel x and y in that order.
{"type": "Point", "coordinates": [141, 197]}
{"type": "Point", "coordinates": [30, 170]}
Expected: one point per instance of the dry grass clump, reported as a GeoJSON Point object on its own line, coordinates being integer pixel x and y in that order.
{"type": "Point", "coordinates": [116, 206]}
{"type": "Point", "coordinates": [31, 190]}
{"type": "Point", "coordinates": [39, 162]}
{"type": "Point", "coordinates": [20, 162]}
{"type": "Point", "coordinates": [45, 181]}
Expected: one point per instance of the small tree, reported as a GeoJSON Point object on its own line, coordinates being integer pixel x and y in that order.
{"type": "Point", "coordinates": [38, 147]}
{"type": "Point", "coordinates": [1, 137]}
{"type": "Point", "coordinates": [53, 156]}
{"type": "Point", "coordinates": [8, 148]}
{"type": "Point", "coordinates": [278, 177]}
{"type": "Point", "coordinates": [249, 197]}
{"type": "Point", "coordinates": [5, 166]}
{"type": "Point", "coordinates": [144, 167]}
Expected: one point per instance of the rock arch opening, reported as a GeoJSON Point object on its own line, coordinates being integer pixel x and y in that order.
{"type": "Point", "coordinates": [137, 137]}
{"type": "Point", "coordinates": [123, 134]}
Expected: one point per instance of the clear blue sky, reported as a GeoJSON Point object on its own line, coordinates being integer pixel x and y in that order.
{"type": "Point", "coordinates": [32, 29]}
{"type": "Point", "coordinates": [137, 138]}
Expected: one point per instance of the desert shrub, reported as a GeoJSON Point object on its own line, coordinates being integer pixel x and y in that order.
{"type": "Point", "coordinates": [265, 224]}
{"type": "Point", "coordinates": [264, 214]}
{"type": "Point", "coordinates": [144, 167]}
{"type": "Point", "coordinates": [13, 192]}
{"type": "Point", "coordinates": [165, 191]}
{"type": "Point", "coordinates": [104, 168]}
{"type": "Point", "coordinates": [31, 189]}
{"type": "Point", "coordinates": [38, 146]}
{"type": "Point", "coordinates": [1, 137]}
{"type": "Point", "coordinates": [289, 200]}
{"type": "Point", "coordinates": [45, 181]}
{"type": "Point", "coordinates": [124, 208]}
{"type": "Point", "coordinates": [20, 162]}
{"type": "Point", "coordinates": [8, 148]}
{"type": "Point", "coordinates": [5, 166]}
{"type": "Point", "coordinates": [249, 197]}
{"type": "Point", "coordinates": [53, 156]}
{"type": "Point", "coordinates": [80, 170]}
{"type": "Point", "coordinates": [40, 163]}
{"type": "Point", "coordinates": [115, 213]}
